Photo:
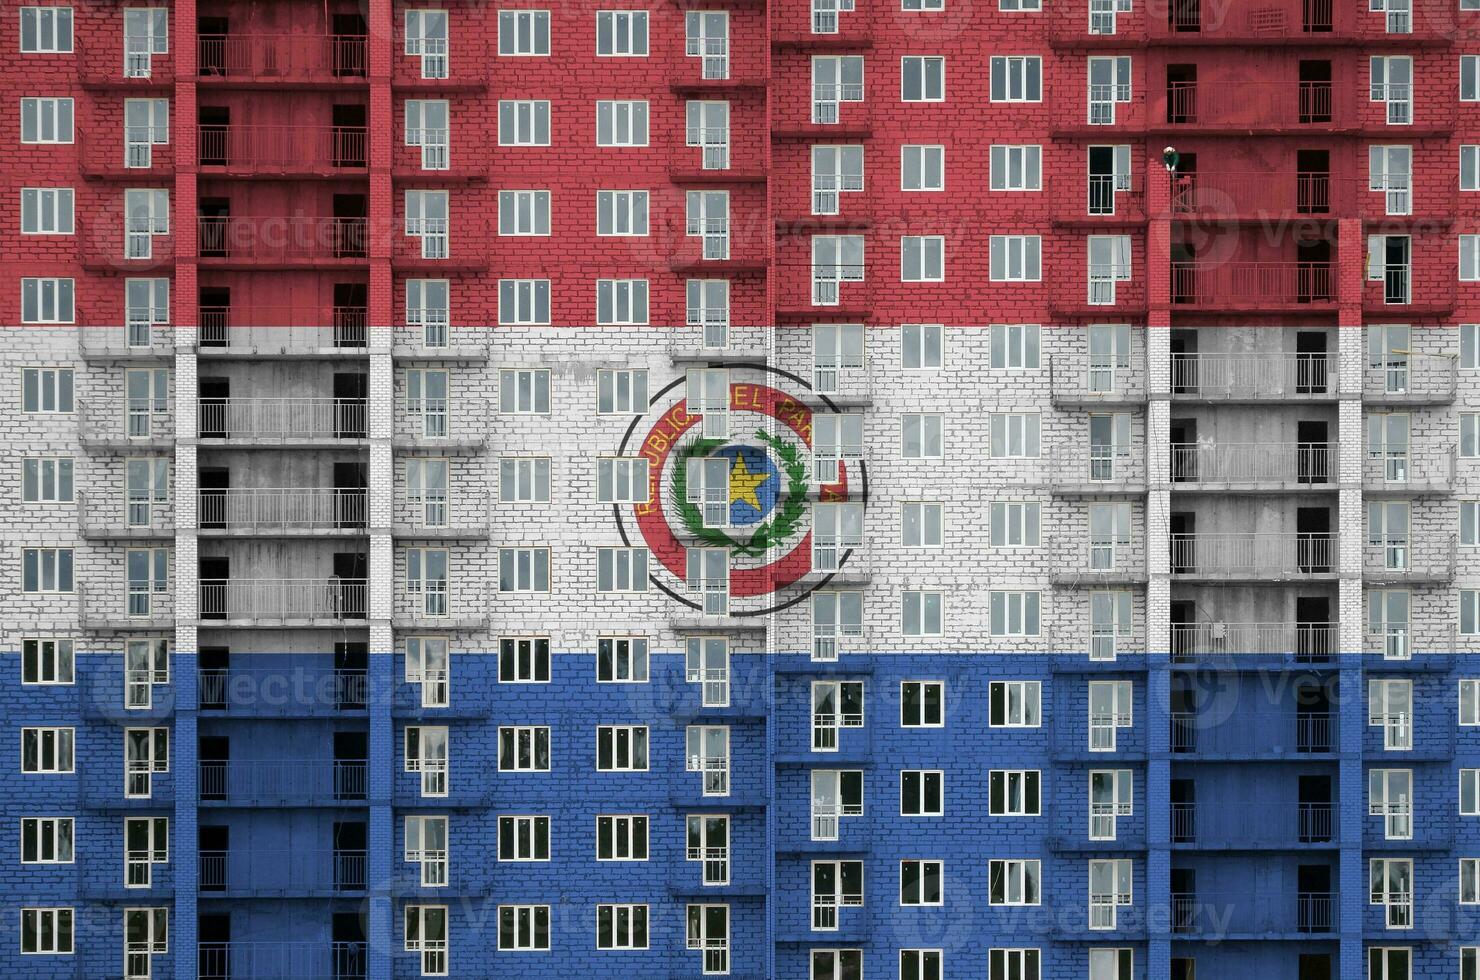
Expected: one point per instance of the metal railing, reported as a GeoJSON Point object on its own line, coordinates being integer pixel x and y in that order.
{"type": "Point", "coordinates": [266, 782]}
{"type": "Point", "coordinates": [282, 690]}
{"type": "Point", "coordinates": [286, 872]}
{"type": "Point", "coordinates": [1251, 104]}
{"type": "Point", "coordinates": [1411, 377]}
{"type": "Point", "coordinates": [285, 598]}
{"type": "Point", "coordinates": [1308, 463]}
{"type": "Point", "coordinates": [1241, 555]}
{"type": "Point", "coordinates": [282, 57]}
{"type": "Point", "coordinates": [243, 960]}
{"type": "Point", "coordinates": [1252, 285]}
{"type": "Point", "coordinates": [1237, 376]}
{"type": "Point", "coordinates": [1093, 377]}
{"type": "Point", "coordinates": [283, 329]}
{"type": "Point", "coordinates": [1214, 914]}
{"type": "Point", "coordinates": [1315, 641]}
{"type": "Point", "coordinates": [1409, 556]}
{"type": "Point", "coordinates": [1408, 467]}
{"type": "Point", "coordinates": [283, 419]}
{"type": "Point", "coordinates": [126, 419]}
{"type": "Point", "coordinates": [1234, 194]}
{"type": "Point", "coordinates": [265, 509]}
{"type": "Point", "coordinates": [290, 148]}
{"type": "Point", "coordinates": [115, 515]}
{"type": "Point", "coordinates": [275, 239]}
{"type": "Point", "coordinates": [1255, 732]}
{"type": "Point", "coordinates": [143, 338]}
{"type": "Point", "coordinates": [1267, 822]}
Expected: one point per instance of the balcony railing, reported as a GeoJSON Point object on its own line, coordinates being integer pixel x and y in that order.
{"type": "Point", "coordinates": [270, 691]}
{"type": "Point", "coordinates": [126, 421]}
{"type": "Point", "coordinates": [272, 240]}
{"type": "Point", "coordinates": [274, 509]}
{"type": "Point", "coordinates": [282, 419]}
{"type": "Point", "coordinates": [1088, 561]}
{"type": "Point", "coordinates": [1252, 285]}
{"type": "Point", "coordinates": [287, 148]}
{"type": "Point", "coordinates": [1253, 463]}
{"type": "Point", "coordinates": [1409, 468]}
{"type": "Point", "coordinates": [282, 330]}
{"type": "Point", "coordinates": [1409, 558]}
{"type": "Point", "coordinates": [1311, 641]}
{"type": "Point", "coordinates": [113, 515]}
{"type": "Point", "coordinates": [282, 57]}
{"type": "Point", "coordinates": [1268, 20]}
{"type": "Point", "coordinates": [257, 782]}
{"type": "Point", "coordinates": [127, 340]}
{"type": "Point", "coordinates": [1089, 378]}
{"type": "Point", "coordinates": [1213, 915]}
{"type": "Point", "coordinates": [117, 607]}
{"type": "Point", "coordinates": [1098, 467]}
{"type": "Point", "coordinates": [1254, 733]}
{"type": "Point", "coordinates": [281, 961]}
{"type": "Point", "coordinates": [287, 873]}
{"type": "Point", "coordinates": [1253, 556]}
{"type": "Point", "coordinates": [1271, 822]}
{"type": "Point", "coordinates": [1234, 195]}
{"type": "Point", "coordinates": [1411, 378]}
{"type": "Point", "coordinates": [1253, 376]}
{"type": "Point", "coordinates": [1242, 104]}
{"type": "Point", "coordinates": [283, 599]}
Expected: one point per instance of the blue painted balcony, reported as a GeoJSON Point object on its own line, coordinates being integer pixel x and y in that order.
{"type": "Point", "coordinates": [1253, 734]}
{"type": "Point", "coordinates": [298, 873]}
{"type": "Point", "coordinates": [1254, 915]}
{"type": "Point", "coordinates": [1271, 824]}
{"type": "Point", "coordinates": [281, 961]}
{"type": "Point", "coordinates": [303, 782]}
{"type": "Point", "coordinates": [291, 691]}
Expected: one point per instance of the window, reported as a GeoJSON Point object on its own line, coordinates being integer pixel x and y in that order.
{"type": "Point", "coordinates": [836, 259]}
{"type": "Point", "coordinates": [524, 748]}
{"type": "Point", "coordinates": [1110, 797]}
{"type": "Point", "coordinates": [622, 660]}
{"type": "Point", "coordinates": [707, 663]}
{"type": "Point", "coordinates": [46, 570]}
{"type": "Point", "coordinates": [427, 753]}
{"type": "Point", "coordinates": [922, 436]}
{"type": "Point", "coordinates": [1392, 887]}
{"type": "Point", "coordinates": [427, 580]}
{"type": "Point", "coordinates": [834, 615]}
{"type": "Point", "coordinates": [1014, 792]}
{"type": "Point", "coordinates": [621, 123]}
{"type": "Point", "coordinates": [1014, 435]}
{"type": "Point", "coordinates": [922, 346]}
{"type": "Point", "coordinates": [146, 32]}
{"type": "Point", "coordinates": [46, 931]}
{"type": "Point", "coordinates": [922, 5]}
{"type": "Point", "coordinates": [921, 964]}
{"type": "Point", "coordinates": [426, 490]}
{"type": "Point", "coordinates": [1109, 711]}
{"type": "Point", "coordinates": [922, 704]}
{"type": "Point", "coordinates": [147, 303]}
{"type": "Point", "coordinates": [426, 846]}
{"type": "Point", "coordinates": [837, 353]}
{"type": "Point", "coordinates": [1017, 79]}
{"type": "Point", "coordinates": [922, 168]}
{"type": "Point", "coordinates": [837, 964]}
{"type": "Point", "coordinates": [1390, 170]}
{"type": "Point", "coordinates": [1392, 83]}
{"type": "Point", "coordinates": [145, 751]}
{"type": "Point", "coordinates": [707, 306]}
{"type": "Point", "coordinates": [835, 794]}
{"type": "Point", "coordinates": [524, 301]}
{"type": "Point", "coordinates": [523, 33]}
{"type": "Point", "coordinates": [426, 38]}
{"type": "Point", "coordinates": [524, 480]}
{"type": "Point", "coordinates": [1015, 704]}
{"type": "Point", "coordinates": [1017, 168]}
{"type": "Point", "coordinates": [1015, 258]}
{"type": "Point", "coordinates": [1469, 258]}
{"type": "Point", "coordinates": [922, 79]}
{"type": "Point", "coordinates": [621, 748]}
{"type": "Point", "coordinates": [426, 218]}
{"type": "Point", "coordinates": [835, 80]}
{"type": "Point", "coordinates": [622, 33]}
{"type": "Point", "coordinates": [1109, 263]}
{"type": "Point", "coordinates": [146, 124]}
{"type": "Point", "coordinates": [922, 258]}
{"type": "Point", "coordinates": [1469, 612]}
{"type": "Point", "coordinates": [709, 930]}
{"type": "Point", "coordinates": [835, 704]}
{"type": "Point", "coordinates": [47, 300]}
{"type": "Point", "coordinates": [147, 572]}
{"type": "Point", "coordinates": [46, 30]}
{"type": "Point", "coordinates": [1469, 702]}
{"type": "Point", "coordinates": [1014, 523]}
{"type": "Point", "coordinates": [147, 213]}
{"type": "Point", "coordinates": [921, 612]}
{"type": "Point", "coordinates": [524, 660]}
{"type": "Point", "coordinates": [1013, 613]}
{"type": "Point", "coordinates": [1110, 623]}
{"type": "Point", "coordinates": [621, 213]}
{"type": "Point", "coordinates": [426, 664]}
{"type": "Point", "coordinates": [834, 884]}
{"type": "Point", "coordinates": [146, 662]}
{"type": "Point", "coordinates": [1469, 434]}
{"type": "Point", "coordinates": [524, 569]}
{"type": "Point", "coordinates": [1109, 84]}
{"type": "Point", "coordinates": [145, 932]}
{"type": "Point", "coordinates": [621, 570]}
{"type": "Point", "coordinates": [1469, 78]}
{"type": "Point", "coordinates": [1014, 964]}
{"type": "Point", "coordinates": [46, 480]}
{"type": "Point", "coordinates": [1112, 964]}
{"type": "Point", "coordinates": [46, 660]}
{"type": "Point", "coordinates": [46, 120]}
{"type": "Point", "coordinates": [428, 307]}
{"type": "Point", "coordinates": [1469, 792]}
{"type": "Point", "coordinates": [427, 126]}
{"type": "Point", "coordinates": [1469, 167]}
{"type": "Point", "coordinates": [146, 842]}
{"type": "Point", "coordinates": [707, 126]}
{"type": "Point", "coordinates": [524, 392]}
{"type": "Point", "coordinates": [922, 525]}
{"type": "Point", "coordinates": [1014, 346]}
{"type": "Point", "coordinates": [920, 882]}
{"type": "Point", "coordinates": [1109, 888]}
{"type": "Point", "coordinates": [1387, 620]}
{"type": "Point", "coordinates": [707, 577]}
{"type": "Point", "coordinates": [836, 170]}
{"type": "Point", "coordinates": [46, 211]}
{"type": "Point", "coordinates": [621, 302]}
{"type": "Point", "coordinates": [707, 751]}
{"type": "Point", "coordinates": [524, 212]}
{"type": "Point", "coordinates": [1013, 882]}
{"type": "Point", "coordinates": [426, 933]}
{"type": "Point", "coordinates": [1390, 706]}
{"type": "Point", "coordinates": [1390, 796]}
{"type": "Point", "coordinates": [523, 122]}
{"type": "Point", "coordinates": [622, 480]}
{"type": "Point", "coordinates": [922, 793]}
{"type": "Point", "coordinates": [707, 217]}
{"type": "Point", "coordinates": [621, 927]}
{"type": "Point", "coordinates": [523, 838]}
{"type": "Point", "coordinates": [621, 392]}
{"type": "Point", "coordinates": [1469, 881]}
{"type": "Point", "coordinates": [47, 840]}
{"type": "Point", "coordinates": [622, 838]}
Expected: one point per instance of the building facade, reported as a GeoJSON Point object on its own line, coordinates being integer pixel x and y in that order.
{"type": "Point", "coordinates": [977, 490]}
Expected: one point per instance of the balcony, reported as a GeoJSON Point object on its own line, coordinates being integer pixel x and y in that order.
{"type": "Point", "coordinates": [111, 246]}
{"type": "Point", "coordinates": [282, 59]}
{"type": "Point", "coordinates": [282, 421]}
{"type": "Point", "coordinates": [133, 341]}
{"type": "Point", "coordinates": [1254, 377]}
{"type": "Point", "coordinates": [1097, 468]}
{"type": "Point", "coordinates": [1212, 642]}
{"type": "Point", "coordinates": [285, 512]}
{"type": "Point", "coordinates": [304, 602]}
{"type": "Point", "coordinates": [1256, 195]}
{"type": "Point", "coordinates": [297, 873]}
{"type": "Point", "coordinates": [303, 782]}
{"type": "Point", "coordinates": [1302, 22]}
{"type": "Point", "coordinates": [103, 152]}
{"type": "Point", "coordinates": [126, 423]}
{"type": "Point", "coordinates": [113, 517]}
{"type": "Point", "coordinates": [1253, 914]}
{"type": "Point", "coordinates": [258, 331]}
{"type": "Point", "coordinates": [1249, 107]}
{"type": "Point", "coordinates": [282, 242]}
{"type": "Point", "coordinates": [1253, 557]}
{"type": "Point", "coordinates": [1098, 199]}
{"type": "Point", "coordinates": [1408, 558]}
{"type": "Point", "coordinates": [116, 608]}
{"type": "Point", "coordinates": [442, 515]}
{"type": "Point", "coordinates": [103, 63]}
{"type": "Point", "coordinates": [1253, 466]}
{"type": "Point", "coordinates": [1409, 469]}
{"type": "Point", "coordinates": [1098, 379]}
{"type": "Point", "coordinates": [298, 691]}
{"type": "Point", "coordinates": [1270, 286]}
{"type": "Point", "coordinates": [1279, 824]}
{"type": "Point", "coordinates": [1411, 379]}
{"type": "Point", "coordinates": [282, 961]}
{"type": "Point", "coordinates": [281, 151]}
{"type": "Point", "coordinates": [1254, 734]}
{"type": "Point", "coordinates": [433, 605]}
{"type": "Point", "coordinates": [1095, 563]}
{"type": "Point", "coordinates": [426, 423]}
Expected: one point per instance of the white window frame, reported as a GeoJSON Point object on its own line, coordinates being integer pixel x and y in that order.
{"type": "Point", "coordinates": [524, 830]}
{"type": "Point", "coordinates": [53, 658]}
{"type": "Point", "coordinates": [628, 834]}
{"type": "Point", "coordinates": [48, 479]}
{"type": "Point", "coordinates": [523, 213]}
{"type": "Point", "coordinates": [1016, 258]}
{"type": "Point", "coordinates": [929, 165]}
{"type": "Point", "coordinates": [522, 122]}
{"type": "Point", "coordinates": [1026, 68]}
{"type": "Point", "coordinates": [1021, 792]}
{"type": "Point", "coordinates": [622, 480]}
{"type": "Point", "coordinates": [623, 935]}
{"type": "Point", "coordinates": [1019, 877]}
{"type": "Point", "coordinates": [1022, 704]}
{"type": "Point", "coordinates": [48, 299]}
{"type": "Point", "coordinates": [524, 33]}
{"type": "Point", "coordinates": [524, 660]}
{"type": "Point", "coordinates": [915, 346]}
{"type": "Point", "coordinates": [922, 524]}
{"type": "Point", "coordinates": [921, 799]}
{"type": "Point", "coordinates": [1021, 612]}
{"type": "Point", "coordinates": [524, 479]}
{"type": "Point", "coordinates": [48, 841]}
{"type": "Point", "coordinates": [48, 211]}
{"type": "Point", "coordinates": [534, 734]}
{"type": "Point", "coordinates": [621, 571]}
{"type": "Point", "coordinates": [923, 868]}
{"type": "Point", "coordinates": [625, 30]}
{"type": "Point", "coordinates": [53, 927]}
{"type": "Point", "coordinates": [626, 122]}
{"type": "Point", "coordinates": [929, 78]}
{"type": "Point", "coordinates": [628, 659]}
{"type": "Point", "coordinates": [49, 28]}
{"type": "Point", "coordinates": [51, 119]}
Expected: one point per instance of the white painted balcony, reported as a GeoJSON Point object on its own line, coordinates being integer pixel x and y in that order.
{"type": "Point", "coordinates": [1253, 557]}
{"type": "Point", "coordinates": [262, 510]}
{"type": "Point", "coordinates": [101, 607]}
{"type": "Point", "coordinates": [1254, 465]}
{"type": "Point", "coordinates": [306, 601]}
{"type": "Point", "coordinates": [282, 420]}
{"type": "Point", "coordinates": [126, 422]}
{"type": "Point", "coordinates": [1409, 558]}
{"type": "Point", "coordinates": [1406, 468]}
{"type": "Point", "coordinates": [116, 516]}
{"type": "Point", "coordinates": [1410, 379]}
{"type": "Point", "coordinates": [1254, 377]}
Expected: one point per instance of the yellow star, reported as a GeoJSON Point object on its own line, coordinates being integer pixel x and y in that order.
{"type": "Point", "coordinates": [743, 483]}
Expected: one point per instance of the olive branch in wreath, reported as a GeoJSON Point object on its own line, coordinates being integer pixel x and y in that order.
{"type": "Point", "coordinates": [766, 535]}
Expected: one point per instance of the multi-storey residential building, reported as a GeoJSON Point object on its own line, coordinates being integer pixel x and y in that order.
{"type": "Point", "coordinates": [779, 490]}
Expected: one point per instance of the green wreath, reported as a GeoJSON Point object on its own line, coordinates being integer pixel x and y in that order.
{"type": "Point", "coordinates": [766, 535]}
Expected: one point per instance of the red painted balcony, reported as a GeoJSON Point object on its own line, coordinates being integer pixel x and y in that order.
{"type": "Point", "coordinates": [1253, 194]}
{"type": "Point", "coordinates": [1253, 285]}
{"type": "Point", "coordinates": [103, 152]}
{"type": "Point", "coordinates": [822, 24]}
{"type": "Point", "coordinates": [105, 245]}
{"type": "Point", "coordinates": [1262, 22]}
{"type": "Point", "coordinates": [249, 330]}
{"type": "Point", "coordinates": [278, 58]}
{"type": "Point", "coordinates": [1098, 199]}
{"type": "Point", "coordinates": [282, 150]}
{"type": "Point", "coordinates": [1238, 104]}
{"type": "Point", "coordinates": [437, 245]}
{"type": "Point", "coordinates": [103, 63]}
{"type": "Point", "coordinates": [282, 241]}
